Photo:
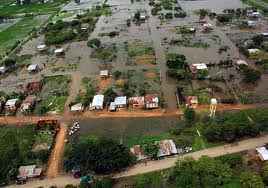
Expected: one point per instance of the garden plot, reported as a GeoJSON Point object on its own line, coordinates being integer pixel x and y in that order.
{"type": "Point", "coordinates": [53, 95]}
{"type": "Point", "coordinates": [137, 82]}
{"type": "Point", "coordinates": [140, 53]}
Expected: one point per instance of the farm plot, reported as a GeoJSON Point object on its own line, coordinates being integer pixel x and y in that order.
{"type": "Point", "coordinates": [53, 95]}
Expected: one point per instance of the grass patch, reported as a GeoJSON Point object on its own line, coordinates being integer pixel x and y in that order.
{"type": "Point", "coordinates": [10, 37]}
{"type": "Point", "coordinates": [9, 10]}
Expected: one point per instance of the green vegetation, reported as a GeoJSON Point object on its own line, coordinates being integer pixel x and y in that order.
{"type": "Point", "coordinates": [87, 93]}
{"type": "Point", "coordinates": [250, 75]}
{"type": "Point", "coordinates": [53, 95]}
{"type": "Point", "coordinates": [16, 149]}
{"type": "Point", "coordinates": [138, 48]}
{"type": "Point", "coordinates": [105, 53]}
{"type": "Point", "coordinates": [229, 127]}
{"type": "Point", "coordinates": [35, 8]}
{"type": "Point", "coordinates": [100, 155]}
{"type": "Point", "coordinates": [12, 36]}
{"type": "Point", "coordinates": [177, 66]}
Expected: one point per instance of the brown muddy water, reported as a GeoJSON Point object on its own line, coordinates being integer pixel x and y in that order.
{"type": "Point", "coordinates": [127, 130]}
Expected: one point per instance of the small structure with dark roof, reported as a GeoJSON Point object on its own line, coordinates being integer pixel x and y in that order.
{"type": "Point", "coordinates": [151, 101]}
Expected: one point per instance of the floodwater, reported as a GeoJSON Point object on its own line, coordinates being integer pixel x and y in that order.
{"type": "Point", "coordinates": [214, 5]}
{"type": "Point", "coordinates": [123, 129]}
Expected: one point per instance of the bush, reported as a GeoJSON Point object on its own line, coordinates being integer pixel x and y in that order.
{"type": "Point", "coordinates": [176, 61]}
{"type": "Point", "coordinates": [189, 115]}
{"type": "Point", "coordinates": [250, 75]}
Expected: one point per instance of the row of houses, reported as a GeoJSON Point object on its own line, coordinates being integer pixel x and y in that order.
{"type": "Point", "coordinates": [120, 102]}
{"type": "Point", "coordinates": [12, 105]}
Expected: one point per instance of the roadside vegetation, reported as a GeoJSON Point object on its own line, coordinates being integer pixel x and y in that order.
{"type": "Point", "coordinates": [98, 155]}
{"type": "Point", "coordinates": [25, 145]}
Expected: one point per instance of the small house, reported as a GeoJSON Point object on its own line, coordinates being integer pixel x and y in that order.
{"type": "Point", "coordinates": [120, 102]}
{"type": "Point", "coordinates": [206, 27]}
{"type": "Point", "coordinates": [33, 68]}
{"type": "Point", "coordinates": [30, 171]}
{"type": "Point", "coordinates": [254, 14]}
{"type": "Point", "coordinates": [28, 103]}
{"type": "Point", "coordinates": [253, 51]}
{"type": "Point", "coordinates": [263, 153]}
{"type": "Point", "coordinates": [191, 101]}
{"type": "Point", "coordinates": [151, 101]}
{"type": "Point", "coordinates": [3, 70]}
{"type": "Point", "coordinates": [137, 151]}
{"type": "Point", "coordinates": [59, 51]}
{"type": "Point", "coordinates": [136, 102]}
{"type": "Point", "coordinates": [166, 148]}
{"type": "Point", "coordinates": [11, 105]}
{"type": "Point", "coordinates": [104, 74]}
{"type": "Point", "coordinates": [97, 102]}
{"type": "Point", "coordinates": [41, 47]}
{"type": "Point", "coordinates": [241, 62]}
{"type": "Point", "coordinates": [112, 107]}
{"type": "Point", "coordinates": [77, 107]}
{"type": "Point", "coordinates": [251, 23]}
{"type": "Point", "coordinates": [142, 16]}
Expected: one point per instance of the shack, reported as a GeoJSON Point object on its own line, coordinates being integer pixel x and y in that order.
{"type": "Point", "coordinates": [77, 107]}
{"type": "Point", "coordinates": [97, 102]}
{"type": "Point", "coordinates": [3, 70]}
{"type": "Point", "coordinates": [253, 51]}
{"type": "Point", "coordinates": [11, 105]}
{"type": "Point", "coordinates": [41, 47]}
{"type": "Point", "coordinates": [263, 153]}
{"type": "Point", "coordinates": [151, 101]}
{"type": "Point", "coordinates": [112, 107]}
{"type": "Point", "coordinates": [136, 102]}
{"type": "Point", "coordinates": [30, 171]}
{"type": "Point", "coordinates": [104, 74]}
{"type": "Point", "coordinates": [120, 102]}
{"type": "Point", "coordinates": [59, 51]}
{"type": "Point", "coordinates": [33, 68]}
{"type": "Point", "coordinates": [166, 148]}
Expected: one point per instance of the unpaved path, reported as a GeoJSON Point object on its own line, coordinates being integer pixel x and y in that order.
{"type": "Point", "coordinates": [211, 152]}
{"type": "Point", "coordinates": [56, 157]}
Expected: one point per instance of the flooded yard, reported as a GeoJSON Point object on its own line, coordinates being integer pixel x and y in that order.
{"type": "Point", "coordinates": [128, 130]}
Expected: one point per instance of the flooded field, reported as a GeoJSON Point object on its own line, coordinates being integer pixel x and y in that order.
{"type": "Point", "coordinates": [214, 5]}
{"type": "Point", "coordinates": [128, 130]}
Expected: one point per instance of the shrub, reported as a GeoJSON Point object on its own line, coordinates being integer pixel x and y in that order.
{"type": "Point", "coordinates": [94, 43]}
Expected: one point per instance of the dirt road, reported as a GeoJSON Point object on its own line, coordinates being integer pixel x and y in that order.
{"type": "Point", "coordinates": [211, 152]}
{"type": "Point", "coordinates": [55, 160]}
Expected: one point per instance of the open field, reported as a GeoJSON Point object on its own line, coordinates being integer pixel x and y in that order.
{"type": "Point", "coordinates": [14, 34]}
{"type": "Point", "coordinates": [8, 8]}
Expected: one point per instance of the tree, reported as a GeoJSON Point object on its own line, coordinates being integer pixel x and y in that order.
{"type": "Point", "coordinates": [150, 149]}
{"type": "Point", "coordinates": [205, 172]}
{"type": "Point", "coordinates": [94, 43]}
{"type": "Point", "coordinates": [251, 180]}
{"type": "Point", "coordinates": [100, 155]}
{"type": "Point", "coordinates": [176, 61]}
{"type": "Point", "coordinates": [189, 115]}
